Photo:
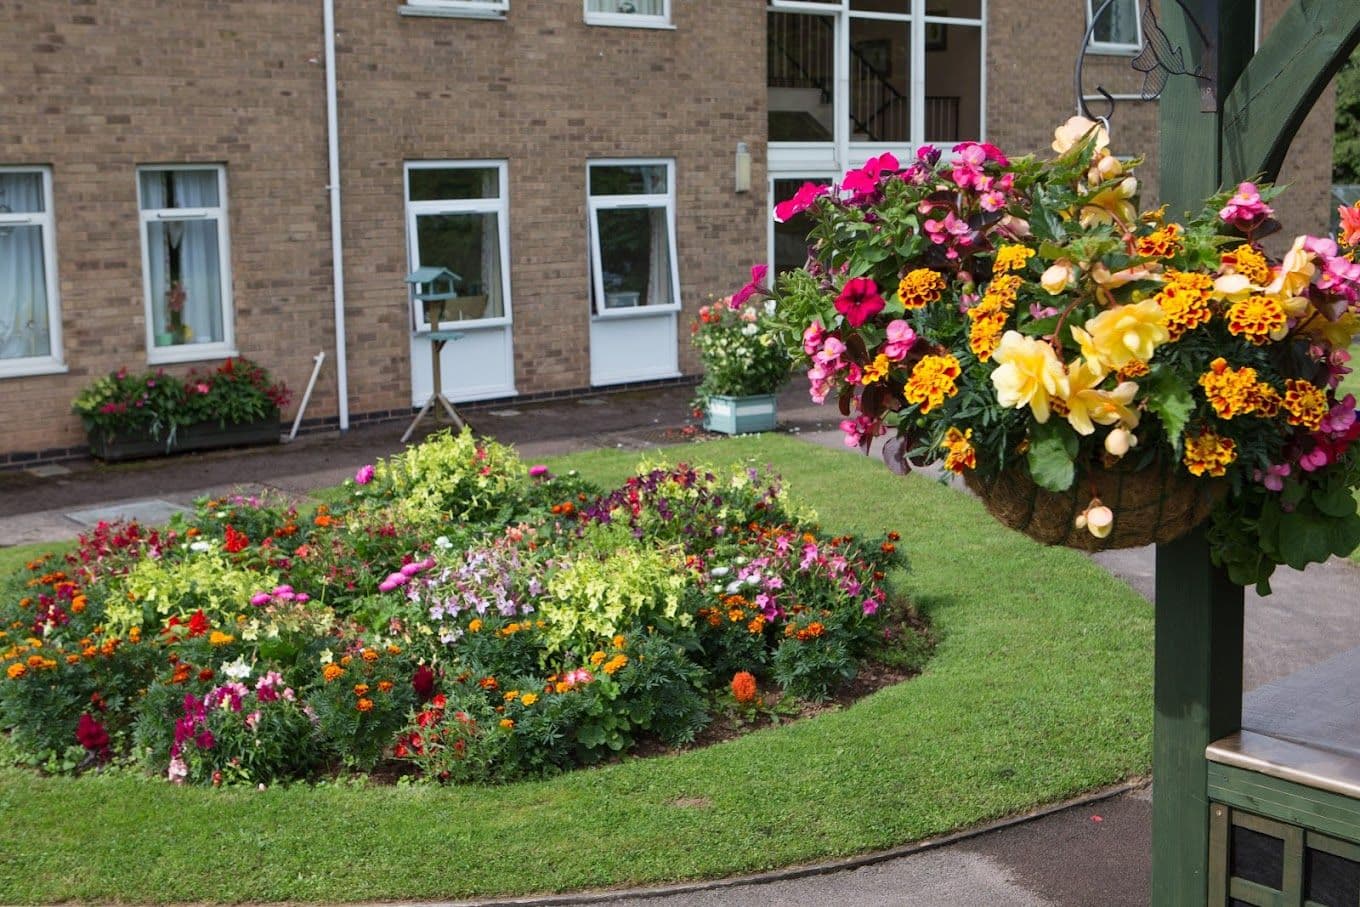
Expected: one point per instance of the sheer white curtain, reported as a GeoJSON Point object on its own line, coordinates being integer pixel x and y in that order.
{"type": "Point", "coordinates": [641, 7]}
{"type": "Point", "coordinates": [491, 248]}
{"type": "Point", "coordinates": [1119, 24]}
{"type": "Point", "coordinates": [24, 329]}
{"type": "Point", "coordinates": [654, 181]}
{"type": "Point", "coordinates": [195, 242]}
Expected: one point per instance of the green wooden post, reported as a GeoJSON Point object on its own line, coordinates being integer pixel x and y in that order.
{"type": "Point", "coordinates": [1198, 684]}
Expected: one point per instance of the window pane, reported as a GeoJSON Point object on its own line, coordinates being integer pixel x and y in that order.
{"type": "Point", "coordinates": [640, 7]}
{"type": "Point", "coordinates": [953, 82]}
{"type": "Point", "coordinates": [956, 9]}
{"type": "Point", "coordinates": [454, 183]}
{"type": "Point", "coordinates": [21, 193]}
{"type": "Point", "coordinates": [902, 7]}
{"type": "Point", "coordinates": [800, 55]}
{"type": "Point", "coordinates": [179, 189]}
{"type": "Point", "coordinates": [1118, 24]}
{"type": "Point", "coordinates": [469, 245]}
{"type": "Point", "coordinates": [790, 237]}
{"type": "Point", "coordinates": [632, 179]}
{"type": "Point", "coordinates": [23, 293]}
{"type": "Point", "coordinates": [186, 282]}
{"type": "Point", "coordinates": [635, 257]}
{"type": "Point", "coordinates": [880, 86]}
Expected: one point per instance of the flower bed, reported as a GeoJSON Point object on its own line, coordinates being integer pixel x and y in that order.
{"type": "Point", "coordinates": [1101, 377]}
{"type": "Point", "coordinates": [463, 615]}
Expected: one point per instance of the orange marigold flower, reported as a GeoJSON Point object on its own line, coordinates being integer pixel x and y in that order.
{"type": "Point", "coordinates": [218, 638]}
{"type": "Point", "coordinates": [529, 699]}
{"type": "Point", "coordinates": [1136, 368]}
{"type": "Point", "coordinates": [345, 660]}
{"type": "Point", "coordinates": [597, 658]}
{"type": "Point", "coordinates": [961, 454]}
{"type": "Point", "coordinates": [73, 659]}
{"type": "Point", "coordinates": [364, 705]}
{"type": "Point", "coordinates": [135, 634]}
{"type": "Point", "coordinates": [1306, 404]}
{"type": "Point", "coordinates": [78, 604]}
{"type": "Point", "coordinates": [1011, 258]}
{"type": "Point", "coordinates": [507, 723]}
{"type": "Point", "coordinates": [35, 661]}
{"type": "Point", "coordinates": [385, 686]}
{"type": "Point", "coordinates": [757, 624]}
{"type": "Point", "coordinates": [370, 655]}
{"type": "Point", "coordinates": [361, 689]}
{"type": "Point", "coordinates": [1185, 301]}
{"type": "Point", "coordinates": [1162, 243]}
{"type": "Point", "coordinates": [614, 664]}
{"type": "Point", "coordinates": [1231, 392]}
{"type": "Point", "coordinates": [985, 335]}
{"type": "Point", "coordinates": [1256, 318]}
{"type": "Point", "coordinates": [1248, 261]}
{"type": "Point", "coordinates": [1208, 453]}
{"type": "Point", "coordinates": [920, 287]}
{"type": "Point", "coordinates": [488, 683]}
{"type": "Point", "coordinates": [932, 381]}
{"type": "Point", "coordinates": [475, 625]}
{"type": "Point", "coordinates": [393, 650]}
{"type": "Point", "coordinates": [620, 641]}
{"type": "Point", "coordinates": [875, 371]}
{"type": "Point", "coordinates": [744, 687]}
{"type": "Point", "coordinates": [331, 672]}
{"type": "Point", "coordinates": [206, 674]}
{"type": "Point", "coordinates": [15, 671]}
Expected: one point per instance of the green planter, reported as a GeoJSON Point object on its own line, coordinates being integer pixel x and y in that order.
{"type": "Point", "coordinates": [194, 436]}
{"type": "Point", "coordinates": [740, 415]}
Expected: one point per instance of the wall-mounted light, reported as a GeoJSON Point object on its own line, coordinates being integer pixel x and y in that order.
{"type": "Point", "coordinates": [743, 168]}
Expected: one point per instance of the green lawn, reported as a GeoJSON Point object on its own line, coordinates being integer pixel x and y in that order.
{"type": "Point", "coordinates": [1040, 688]}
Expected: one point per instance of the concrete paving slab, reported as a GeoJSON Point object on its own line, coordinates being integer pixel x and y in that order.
{"type": "Point", "coordinates": [48, 471]}
{"type": "Point", "coordinates": [150, 511]}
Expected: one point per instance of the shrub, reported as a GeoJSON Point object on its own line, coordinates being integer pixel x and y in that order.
{"type": "Point", "coordinates": [361, 700]}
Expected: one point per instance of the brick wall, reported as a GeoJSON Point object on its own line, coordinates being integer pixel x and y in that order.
{"type": "Point", "coordinates": [94, 88]}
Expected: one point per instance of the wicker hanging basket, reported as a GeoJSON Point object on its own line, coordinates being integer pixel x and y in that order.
{"type": "Point", "coordinates": [1151, 506]}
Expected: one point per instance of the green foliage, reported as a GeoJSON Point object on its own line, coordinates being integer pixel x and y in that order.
{"type": "Point", "coordinates": [206, 579]}
{"type": "Point", "coordinates": [1346, 140]}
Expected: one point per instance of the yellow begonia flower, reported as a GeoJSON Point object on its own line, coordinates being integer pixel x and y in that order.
{"type": "Point", "coordinates": [1070, 134]}
{"type": "Point", "coordinates": [1116, 337]}
{"type": "Point", "coordinates": [1113, 281]}
{"type": "Point", "coordinates": [1110, 204]}
{"type": "Point", "coordinates": [1296, 271]}
{"type": "Point", "coordinates": [1058, 276]}
{"type": "Point", "coordinates": [1029, 373]}
{"type": "Point", "coordinates": [1086, 405]}
{"type": "Point", "coordinates": [1232, 287]}
{"type": "Point", "coordinates": [1340, 333]}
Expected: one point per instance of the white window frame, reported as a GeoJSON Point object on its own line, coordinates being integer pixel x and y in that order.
{"type": "Point", "coordinates": [798, 157]}
{"type": "Point", "coordinates": [188, 352]}
{"type": "Point", "coordinates": [597, 203]}
{"type": "Point", "coordinates": [472, 9]}
{"type": "Point", "coordinates": [499, 206]}
{"type": "Point", "coordinates": [806, 176]}
{"type": "Point", "coordinates": [629, 20]}
{"type": "Point", "coordinates": [45, 220]}
{"type": "Point", "coordinates": [1113, 48]}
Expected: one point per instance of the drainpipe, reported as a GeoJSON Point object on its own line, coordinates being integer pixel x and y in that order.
{"type": "Point", "coordinates": [337, 242]}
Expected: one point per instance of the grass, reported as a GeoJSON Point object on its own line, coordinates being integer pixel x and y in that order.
{"type": "Point", "coordinates": [1040, 688]}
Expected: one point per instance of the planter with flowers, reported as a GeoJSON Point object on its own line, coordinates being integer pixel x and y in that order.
{"type": "Point", "coordinates": [1100, 376]}
{"type": "Point", "coordinates": [744, 362]}
{"type": "Point", "coordinates": [133, 415]}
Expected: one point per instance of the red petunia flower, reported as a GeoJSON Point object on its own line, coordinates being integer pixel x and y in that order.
{"type": "Point", "coordinates": [198, 623]}
{"type": "Point", "coordinates": [859, 300]}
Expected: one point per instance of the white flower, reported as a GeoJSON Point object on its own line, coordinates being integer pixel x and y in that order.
{"type": "Point", "coordinates": [238, 669]}
{"type": "Point", "coordinates": [200, 545]}
{"type": "Point", "coordinates": [734, 587]}
{"type": "Point", "coordinates": [443, 543]}
{"type": "Point", "coordinates": [770, 306]}
{"type": "Point", "coordinates": [327, 656]}
{"type": "Point", "coordinates": [720, 571]}
{"type": "Point", "coordinates": [749, 330]}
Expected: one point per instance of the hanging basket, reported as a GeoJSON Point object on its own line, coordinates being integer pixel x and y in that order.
{"type": "Point", "coordinates": [1154, 505]}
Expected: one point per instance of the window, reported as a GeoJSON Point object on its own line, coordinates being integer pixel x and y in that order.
{"type": "Point", "coordinates": [632, 237]}
{"type": "Point", "coordinates": [456, 218]}
{"type": "Point", "coordinates": [486, 9]}
{"type": "Point", "coordinates": [186, 262]}
{"type": "Point", "coordinates": [635, 13]}
{"type": "Point", "coordinates": [30, 317]}
{"type": "Point", "coordinates": [1117, 26]}
{"type": "Point", "coordinates": [873, 72]}
{"type": "Point", "coordinates": [789, 239]}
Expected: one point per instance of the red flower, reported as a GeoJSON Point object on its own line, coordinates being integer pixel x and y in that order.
{"type": "Point", "coordinates": [859, 300]}
{"type": "Point", "coordinates": [423, 683]}
{"type": "Point", "coordinates": [92, 735]}
{"type": "Point", "coordinates": [236, 541]}
{"type": "Point", "coordinates": [198, 623]}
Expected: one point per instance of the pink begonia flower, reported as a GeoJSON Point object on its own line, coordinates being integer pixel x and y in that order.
{"type": "Point", "coordinates": [1273, 478]}
{"type": "Point", "coordinates": [853, 373]}
{"type": "Point", "coordinates": [859, 300]}
{"type": "Point", "coordinates": [1340, 418]}
{"type": "Point", "coordinates": [829, 356]}
{"type": "Point", "coordinates": [967, 170]}
{"type": "Point", "coordinates": [951, 228]}
{"type": "Point", "coordinates": [813, 335]}
{"type": "Point", "coordinates": [990, 151]}
{"type": "Point", "coordinates": [1320, 457]}
{"type": "Point", "coordinates": [758, 273]}
{"type": "Point", "coordinates": [1350, 223]}
{"type": "Point", "coordinates": [364, 475]}
{"type": "Point", "coordinates": [802, 200]}
{"type": "Point", "coordinates": [992, 201]}
{"type": "Point", "coordinates": [819, 381]}
{"type": "Point", "coordinates": [928, 155]}
{"type": "Point", "coordinates": [901, 338]}
{"type": "Point", "coordinates": [1039, 312]}
{"type": "Point", "coordinates": [1245, 210]}
{"type": "Point", "coordinates": [860, 430]}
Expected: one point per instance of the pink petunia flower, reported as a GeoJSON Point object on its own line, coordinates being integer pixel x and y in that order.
{"type": "Point", "coordinates": [859, 300]}
{"type": "Point", "coordinates": [758, 273]}
{"type": "Point", "coordinates": [802, 200]}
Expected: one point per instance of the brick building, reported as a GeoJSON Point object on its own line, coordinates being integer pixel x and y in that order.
{"type": "Point", "coordinates": [165, 195]}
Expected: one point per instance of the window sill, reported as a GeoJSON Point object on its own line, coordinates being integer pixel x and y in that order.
{"type": "Point", "coordinates": [1113, 50]}
{"type": "Point", "coordinates": [629, 21]}
{"type": "Point", "coordinates": [435, 12]}
{"type": "Point", "coordinates": [32, 369]}
{"type": "Point", "coordinates": [190, 353]}
{"type": "Point", "coordinates": [641, 311]}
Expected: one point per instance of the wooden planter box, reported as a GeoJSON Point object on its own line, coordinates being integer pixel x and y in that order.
{"type": "Point", "coordinates": [195, 436]}
{"type": "Point", "coordinates": [740, 415]}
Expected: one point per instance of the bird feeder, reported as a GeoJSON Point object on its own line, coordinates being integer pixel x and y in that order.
{"type": "Point", "coordinates": [431, 288]}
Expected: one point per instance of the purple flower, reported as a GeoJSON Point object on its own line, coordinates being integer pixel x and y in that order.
{"type": "Point", "coordinates": [364, 475]}
{"type": "Point", "coordinates": [259, 598]}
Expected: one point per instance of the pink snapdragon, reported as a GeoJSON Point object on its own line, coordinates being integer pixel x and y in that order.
{"type": "Point", "coordinates": [1245, 210]}
{"type": "Point", "coordinates": [364, 475]}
